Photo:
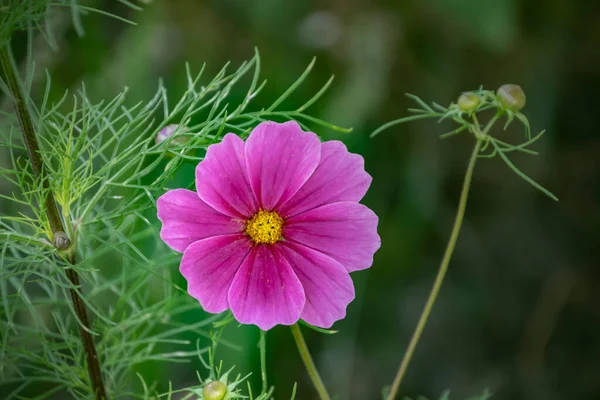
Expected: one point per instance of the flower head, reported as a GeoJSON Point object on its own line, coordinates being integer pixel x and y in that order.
{"type": "Point", "coordinates": [275, 227]}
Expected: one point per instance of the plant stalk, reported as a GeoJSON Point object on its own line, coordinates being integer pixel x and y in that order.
{"type": "Point", "coordinates": [309, 363]}
{"type": "Point", "coordinates": [56, 224]}
{"type": "Point", "coordinates": [460, 213]}
{"type": "Point", "coordinates": [263, 361]}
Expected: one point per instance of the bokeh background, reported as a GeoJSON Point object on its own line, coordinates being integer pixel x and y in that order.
{"type": "Point", "coordinates": [520, 309]}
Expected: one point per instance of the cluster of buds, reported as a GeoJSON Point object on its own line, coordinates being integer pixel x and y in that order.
{"type": "Point", "coordinates": [509, 97]}
{"type": "Point", "coordinates": [507, 101]}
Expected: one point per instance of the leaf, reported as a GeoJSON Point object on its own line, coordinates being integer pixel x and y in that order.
{"type": "Point", "coordinates": [523, 175]}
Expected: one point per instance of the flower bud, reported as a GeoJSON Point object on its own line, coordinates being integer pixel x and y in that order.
{"type": "Point", "coordinates": [168, 131]}
{"type": "Point", "coordinates": [61, 241]}
{"type": "Point", "coordinates": [214, 390]}
{"type": "Point", "coordinates": [468, 101]}
{"type": "Point", "coordinates": [512, 97]}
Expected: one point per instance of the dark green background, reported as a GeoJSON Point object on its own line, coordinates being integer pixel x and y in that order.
{"type": "Point", "coordinates": [520, 309]}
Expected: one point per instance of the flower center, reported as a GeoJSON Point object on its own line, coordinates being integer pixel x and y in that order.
{"type": "Point", "coordinates": [265, 227]}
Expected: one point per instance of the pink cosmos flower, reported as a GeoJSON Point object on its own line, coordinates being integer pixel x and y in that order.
{"type": "Point", "coordinates": [275, 227]}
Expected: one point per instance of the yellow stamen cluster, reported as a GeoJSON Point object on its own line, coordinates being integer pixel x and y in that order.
{"type": "Point", "coordinates": [265, 227]}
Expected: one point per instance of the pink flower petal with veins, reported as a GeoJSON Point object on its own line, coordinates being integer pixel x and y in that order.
{"type": "Point", "coordinates": [280, 159]}
{"type": "Point", "coordinates": [340, 176]}
{"type": "Point", "coordinates": [209, 266]}
{"type": "Point", "coordinates": [187, 219]}
{"type": "Point", "coordinates": [266, 291]}
{"type": "Point", "coordinates": [222, 179]}
{"type": "Point", "coordinates": [327, 285]}
{"type": "Point", "coordinates": [346, 231]}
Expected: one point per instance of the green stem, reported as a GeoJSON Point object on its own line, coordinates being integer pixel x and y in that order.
{"type": "Point", "coordinates": [263, 360]}
{"type": "Point", "coordinates": [308, 363]}
{"type": "Point", "coordinates": [441, 272]}
{"type": "Point", "coordinates": [56, 224]}
{"type": "Point", "coordinates": [490, 123]}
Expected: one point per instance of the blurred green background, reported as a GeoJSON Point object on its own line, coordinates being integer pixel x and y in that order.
{"type": "Point", "coordinates": [520, 309]}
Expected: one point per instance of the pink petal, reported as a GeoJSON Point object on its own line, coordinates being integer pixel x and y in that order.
{"type": "Point", "coordinates": [346, 231]}
{"type": "Point", "coordinates": [265, 291]}
{"type": "Point", "coordinates": [327, 285]}
{"type": "Point", "coordinates": [186, 219]}
{"type": "Point", "coordinates": [280, 159]}
{"type": "Point", "coordinates": [209, 266]}
{"type": "Point", "coordinates": [340, 176]}
{"type": "Point", "coordinates": [222, 179]}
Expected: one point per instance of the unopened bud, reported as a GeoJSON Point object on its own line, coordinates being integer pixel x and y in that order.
{"type": "Point", "coordinates": [168, 131]}
{"type": "Point", "coordinates": [512, 97]}
{"type": "Point", "coordinates": [214, 390]}
{"type": "Point", "coordinates": [468, 101]}
{"type": "Point", "coordinates": [61, 241]}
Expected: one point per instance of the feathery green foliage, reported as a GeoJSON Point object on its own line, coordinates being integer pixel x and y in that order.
{"type": "Point", "coordinates": [37, 16]}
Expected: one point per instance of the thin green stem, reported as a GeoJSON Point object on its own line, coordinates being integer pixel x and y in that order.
{"type": "Point", "coordinates": [441, 272]}
{"type": "Point", "coordinates": [56, 223]}
{"type": "Point", "coordinates": [263, 360]}
{"type": "Point", "coordinates": [491, 123]}
{"type": "Point", "coordinates": [309, 363]}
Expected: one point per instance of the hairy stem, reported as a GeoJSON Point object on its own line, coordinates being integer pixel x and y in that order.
{"type": "Point", "coordinates": [309, 363]}
{"type": "Point", "coordinates": [56, 224]}
{"type": "Point", "coordinates": [441, 272]}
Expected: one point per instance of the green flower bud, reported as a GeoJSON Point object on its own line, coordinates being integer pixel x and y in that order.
{"type": "Point", "coordinates": [214, 390]}
{"type": "Point", "coordinates": [468, 101]}
{"type": "Point", "coordinates": [512, 97]}
{"type": "Point", "coordinates": [167, 132]}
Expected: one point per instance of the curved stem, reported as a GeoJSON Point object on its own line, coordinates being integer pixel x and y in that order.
{"type": "Point", "coordinates": [308, 363]}
{"type": "Point", "coordinates": [56, 223]}
{"type": "Point", "coordinates": [440, 275]}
